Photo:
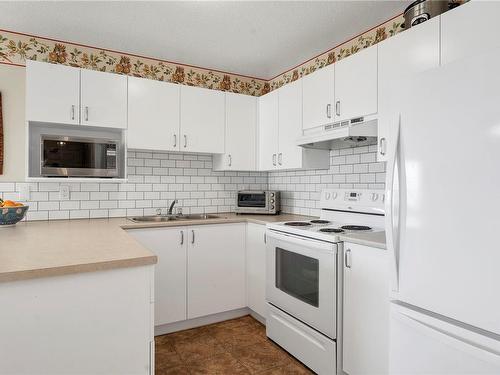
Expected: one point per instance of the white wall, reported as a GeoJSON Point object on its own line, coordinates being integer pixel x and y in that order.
{"type": "Point", "coordinates": [12, 87]}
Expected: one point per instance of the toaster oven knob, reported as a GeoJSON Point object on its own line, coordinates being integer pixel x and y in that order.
{"type": "Point", "coordinates": [272, 200]}
{"type": "Point", "coordinates": [272, 194]}
{"type": "Point", "coordinates": [272, 207]}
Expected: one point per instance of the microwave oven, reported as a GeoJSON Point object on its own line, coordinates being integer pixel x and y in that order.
{"type": "Point", "coordinates": [258, 202]}
{"type": "Point", "coordinates": [63, 156]}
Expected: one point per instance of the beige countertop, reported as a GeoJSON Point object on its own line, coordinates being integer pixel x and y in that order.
{"type": "Point", "coordinates": [59, 247]}
{"type": "Point", "coordinates": [50, 248]}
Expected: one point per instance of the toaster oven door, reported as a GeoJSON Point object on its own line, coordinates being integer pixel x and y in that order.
{"type": "Point", "coordinates": [252, 201]}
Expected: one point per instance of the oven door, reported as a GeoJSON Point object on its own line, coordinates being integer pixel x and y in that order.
{"type": "Point", "coordinates": [75, 156]}
{"type": "Point", "coordinates": [302, 279]}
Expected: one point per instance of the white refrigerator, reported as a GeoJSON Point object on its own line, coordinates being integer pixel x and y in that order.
{"type": "Point", "coordinates": [443, 220]}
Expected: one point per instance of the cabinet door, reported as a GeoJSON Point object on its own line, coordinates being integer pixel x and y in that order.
{"type": "Point", "coordinates": [103, 99]}
{"type": "Point", "coordinates": [290, 125]}
{"type": "Point", "coordinates": [318, 97]}
{"type": "Point", "coordinates": [202, 120]}
{"type": "Point", "coordinates": [356, 85]}
{"type": "Point", "coordinates": [216, 269]}
{"type": "Point", "coordinates": [153, 115]}
{"type": "Point", "coordinates": [400, 57]}
{"type": "Point", "coordinates": [470, 29]}
{"type": "Point", "coordinates": [268, 131]}
{"type": "Point", "coordinates": [256, 268]}
{"type": "Point", "coordinates": [52, 93]}
{"type": "Point", "coordinates": [366, 310]}
{"type": "Point", "coordinates": [170, 246]}
{"type": "Point", "coordinates": [241, 133]}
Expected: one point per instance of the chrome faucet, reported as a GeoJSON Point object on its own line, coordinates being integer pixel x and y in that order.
{"type": "Point", "coordinates": [171, 208]}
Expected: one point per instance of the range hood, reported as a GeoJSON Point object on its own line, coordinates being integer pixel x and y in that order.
{"type": "Point", "coordinates": [355, 132]}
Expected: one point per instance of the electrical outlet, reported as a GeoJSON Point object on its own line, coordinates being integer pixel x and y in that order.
{"type": "Point", "coordinates": [24, 192]}
{"type": "Point", "coordinates": [64, 192]}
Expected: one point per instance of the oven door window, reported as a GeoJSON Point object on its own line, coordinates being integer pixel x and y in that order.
{"type": "Point", "coordinates": [298, 276]}
{"type": "Point", "coordinates": [252, 200]}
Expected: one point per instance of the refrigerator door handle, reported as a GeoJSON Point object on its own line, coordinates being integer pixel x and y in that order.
{"type": "Point", "coordinates": [392, 207]}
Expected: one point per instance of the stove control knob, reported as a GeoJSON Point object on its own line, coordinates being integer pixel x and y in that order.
{"type": "Point", "coordinates": [327, 195]}
{"type": "Point", "coordinates": [374, 196]}
{"type": "Point", "coordinates": [334, 196]}
{"type": "Point", "coordinates": [383, 197]}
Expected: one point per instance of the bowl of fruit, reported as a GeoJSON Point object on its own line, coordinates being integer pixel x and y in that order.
{"type": "Point", "coordinates": [11, 212]}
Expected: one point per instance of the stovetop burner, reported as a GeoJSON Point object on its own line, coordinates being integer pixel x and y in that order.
{"type": "Point", "coordinates": [298, 224]}
{"type": "Point", "coordinates": [320, 222]}
{"type": "Point", "coordinates": [356, 227]}
{"type": "Point", "coordinates": [331, 230]}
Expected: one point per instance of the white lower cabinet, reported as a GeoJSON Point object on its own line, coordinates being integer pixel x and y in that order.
{"type": "Point", "coordinates": [86, 323]}
{"type": "Point", "coordinates": [216, 269]}
{"type": "Point", "coordinates": [200, 269]}
{"type": "Point", "coordinates": [366, 310]}
{"type": "Point", "coordinates": [256, 268]}
{"type": "Point", "coordinates": [170, 246]}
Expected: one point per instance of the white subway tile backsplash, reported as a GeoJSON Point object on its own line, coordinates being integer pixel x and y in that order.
{"type": "Point", "coordinates": [156, 178]}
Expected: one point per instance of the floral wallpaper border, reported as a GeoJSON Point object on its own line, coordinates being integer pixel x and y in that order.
{"type": "Point", "coordinates": [16, 48]}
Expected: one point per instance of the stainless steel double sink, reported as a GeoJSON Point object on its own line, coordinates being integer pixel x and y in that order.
{"type": "Point", "coordinates": [163, 218]}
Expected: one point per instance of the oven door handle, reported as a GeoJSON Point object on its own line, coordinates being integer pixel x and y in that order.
{"type": "Point", "coordinates": [305, 242]}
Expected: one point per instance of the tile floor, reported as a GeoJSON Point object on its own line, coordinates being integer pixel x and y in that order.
{"type": "Point", "coordinates": [237, 346]}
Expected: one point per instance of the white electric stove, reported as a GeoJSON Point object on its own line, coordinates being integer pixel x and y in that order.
{"type": "Point", "coordinates": [304, 274]}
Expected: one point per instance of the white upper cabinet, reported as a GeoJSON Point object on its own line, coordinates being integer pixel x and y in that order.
{"type": "Point", "coordinates": [318, 97]}
{"type": "Point", "coordinates": [356, 85]}
{"type": "Point", "coordinates": [153, 115]}
{"type": "Point", "coordinates": [52, 93]}
{"type": "Point", "coordinates": [202, 120]}
{"type": "Point", "coordinates": [401, 56]}
{"type": "Point", "coordinates": [240, 134]}
{"type": "Point", "coordinates": [366, 310]}
{"type": "Point", "coordinates": [216, 269]}
{"type": "Point", "coordinates": [268, 131]}
{"type": "Point", "coordinates": [290, 126]}
{"type": "Point", "coordinates": [470, 29]}
{"type": "Point", "coordinates": [103, 99]}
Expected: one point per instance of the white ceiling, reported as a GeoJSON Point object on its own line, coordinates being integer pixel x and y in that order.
{"type": "Point", "coordinates": [260, 39]}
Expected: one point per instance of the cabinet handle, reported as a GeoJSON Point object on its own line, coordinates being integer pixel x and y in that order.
{"type": "Point", "coordinates": [175, 140]}
{"type": "Point", "coordinates": [329, 110]}
{"type": "Point", "coordinates": [382, 146]}
{"type": "Point", "coordinates": [337, 108]}
{"type": "Point", "coordinates": [347, 261]}
{"type": "Point", "coordinates": [280, 158]}
{"type": "Point", "coordinates": [230, 159]}
{"type": "Point", "coordinates": [274, 159]}
{"type": "Point", "coordinates": [265, 238]}
{"type": "Point", "coordinates": [192, 238]}
{"type": "Point", "coordinates": [182, 237]}
{"type": "Point", "coordinates": [185, 140]}
{"type": "Point", "coordinates": [73, 112]}
{"type": "Point", "coordinates": [86, 113]}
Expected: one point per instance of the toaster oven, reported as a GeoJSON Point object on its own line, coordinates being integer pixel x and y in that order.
{"type": "Point", "coordinates": [258, 202]}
